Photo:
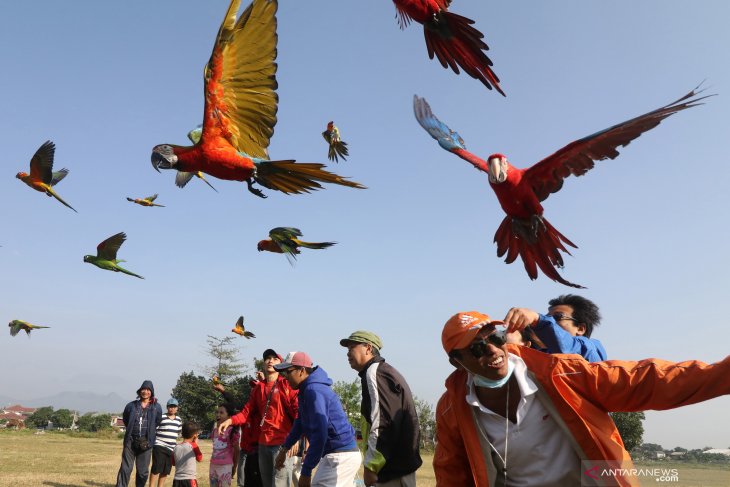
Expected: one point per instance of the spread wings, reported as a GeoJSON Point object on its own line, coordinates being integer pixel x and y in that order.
{"type": "Point", "coordinates": [41, 165]}
{"type": "Point", "coordinates": [240, 79]}
{"type": "Point", "coordinates": [107, 250]}
{"type": "Point", "coordinates": [284, 237]}
{"type": "Point", "coordinates": [578, 157]}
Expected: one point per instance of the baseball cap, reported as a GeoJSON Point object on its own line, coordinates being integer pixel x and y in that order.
{"type": "Point", "coordinates": [363, 336]}
{"type": "Point", "coordinates": [270, 351]}
{"type": "Point", "coordinates": [172, 402]}
{"type": "Point", "coordinates": [295, 359]}
{"type": "Point", "coordinates": [460, 329]}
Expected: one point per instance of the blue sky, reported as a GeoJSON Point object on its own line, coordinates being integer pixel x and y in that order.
{"type": "Point", "coordinates": [106, 81]}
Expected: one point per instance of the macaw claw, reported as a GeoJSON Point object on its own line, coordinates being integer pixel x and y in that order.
{"type": "Point", "coordinates": [255, 191]}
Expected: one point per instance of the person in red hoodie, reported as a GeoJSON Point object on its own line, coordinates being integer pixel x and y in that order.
{"type": "Point", "coordinates": [276, 404]}
{"type": "Point", "coordinates": [516, 416]}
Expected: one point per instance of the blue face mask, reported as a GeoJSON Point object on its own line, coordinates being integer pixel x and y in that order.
{"type": "Point", "coordinates": [482, 381]}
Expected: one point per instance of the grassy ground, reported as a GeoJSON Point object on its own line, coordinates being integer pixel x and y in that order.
{"type": "Point", "coordinates": [58, 460]}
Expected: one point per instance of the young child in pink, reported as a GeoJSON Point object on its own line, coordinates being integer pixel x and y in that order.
{"type": "Point", "coordinates": [224, 459]}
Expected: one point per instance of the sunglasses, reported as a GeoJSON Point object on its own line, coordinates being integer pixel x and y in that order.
{"type": "Point", "coordinates": [561, 317]}
{"type": "Point", "coordinates": [479, 349]}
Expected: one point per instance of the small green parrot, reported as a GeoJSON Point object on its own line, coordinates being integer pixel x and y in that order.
{"type": "Point", "coordinates": [148, 201]}
{"type": "Point", "coordinates": [182, 178]}
{"type": "Point", "coordinates": [284, 240]}
{"type": "Point", "coordinates": [337, 147]}
{"type": "Point", "coordinates": [106, 255]}
{"type": "Point", "coordinates": [17, 325]}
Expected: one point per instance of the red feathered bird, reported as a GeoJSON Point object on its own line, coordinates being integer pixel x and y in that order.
{"type": "Point", "coordinates": [450, 37]}
{"type": "Point", "coordinates": [524, 232]}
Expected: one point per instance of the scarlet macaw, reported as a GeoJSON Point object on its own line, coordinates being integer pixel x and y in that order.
{"type": "Point", "coordinates": [182, 178]}
{"type": "Point", "coordinates": [524, 231]}
{"type": "Point", "coordinates": [106, 255]}
{"type": "Point", "coordinates": [17, 325]}
{"type": "Point", "coordinates": [283, 240]}
{"type": "Point", "coordinates": [450, 37]}
{"type": "Point", "coordinates": [148, 201]}
{"type": "Point", "coordinates": [337, 147]}
{"type": "Point", "coordinates": [239, 329]}
{"type": "Point", "coordinates": [41, 177]}
{"type": "Point", "coordinates": [240, 111]}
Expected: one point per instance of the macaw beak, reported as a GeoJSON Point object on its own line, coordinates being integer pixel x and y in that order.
{"type": "Point", "coordinates": [497, 170]}
{"type": "Point", "coordinates": [162, 160]}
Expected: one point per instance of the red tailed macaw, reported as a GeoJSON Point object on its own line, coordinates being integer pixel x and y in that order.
{"type": "Point", "coordinates": [283, 240]}
{"type": "Point", "coordinates": [450, 37]}
{"type": "Point", "coordinates": [182, 178]}
{"type": "Point", "coordinates": [524, 231]}
{"type": "Point", "coordinates": [41, 177]}
{"type": "Point", "coordinates": [148, 201]}
{"type": "Point", "coordinates": [240, 111]}
{"type": "Point", "coordinates": [239, 329]}
{"type": "Point", "coordinates": [337, 146]}
{"type": "Point", "coordinates": [17, 325]}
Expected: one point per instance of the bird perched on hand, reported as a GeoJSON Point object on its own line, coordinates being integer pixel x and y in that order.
{"type": "Point", "coordinates": [240, 112]}
{"type": "Point", "coordinates": [106, 255]}
{"type": "Point", "coordinates": [240, 330]}
{"type": "Point", "coordinates": [41, 177]}
{"type": "Point", "coordinates": [17, 325]}
{"type": "Point", "coordinates": [148, 201]}
{"type": "Point", "coordinates": [283, 240]}
{"type": "Point", "coordinates": [524, 231]}
{"type": "Point", "coordinates": [451, 37]}
{"type": "Point", "coordinates": [337, 147]}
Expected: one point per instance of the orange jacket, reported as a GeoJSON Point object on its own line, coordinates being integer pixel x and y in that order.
{"type": "Point", "coordinates": [581, 393]}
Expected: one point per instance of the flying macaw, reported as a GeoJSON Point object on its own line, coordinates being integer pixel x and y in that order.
{"type": "Point", "coordinates": [182, 178]}
{"type": "Point", "coordinates": [17, 325]}
{"type": "Point", "coordinates": [106, 255]}
{"type": "Point", "coordinates": [524, 231]}
{"type": "Point", "coordinates": [240, 112]}
{"type": "Point", "coordinates": [283, 240]}
{"type": "Point", "coordinates": [239, 329]}
{"type": "Point", "coordinates": [450, 37]}
{"type": "Point", "coordinates": [41, 177]}
{"type": "Point", "coordinates": [148, 201]}
{"type": "Point", "coordinates": [337, 147]}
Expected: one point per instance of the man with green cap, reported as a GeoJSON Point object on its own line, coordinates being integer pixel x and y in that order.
{"type": "Point", "coordinates": [391, 424]}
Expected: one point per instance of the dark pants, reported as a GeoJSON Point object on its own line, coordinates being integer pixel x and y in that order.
{"type": "Point", "coordinates": [252, 476]}
{"type": "Point", "coordinates": [132, 458]}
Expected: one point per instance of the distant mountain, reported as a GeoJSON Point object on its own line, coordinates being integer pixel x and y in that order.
{"type": "Point", "coordinates": [84, 402]}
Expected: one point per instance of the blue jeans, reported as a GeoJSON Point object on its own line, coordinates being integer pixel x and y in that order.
{"type": "Point", "coordinates": [271, 477]}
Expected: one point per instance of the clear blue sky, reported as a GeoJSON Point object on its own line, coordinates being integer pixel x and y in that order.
{"type": "Point", "coordinates": [106, 81]}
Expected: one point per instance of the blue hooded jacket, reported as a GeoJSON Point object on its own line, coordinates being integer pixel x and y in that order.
{"type": "Point", "coordinates": [134, 409]}
{"type": "Point", "coordinates": [322, 420]}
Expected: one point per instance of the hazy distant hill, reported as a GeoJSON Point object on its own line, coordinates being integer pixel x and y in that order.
{"type": "Point", "coordinates": [83, 402]}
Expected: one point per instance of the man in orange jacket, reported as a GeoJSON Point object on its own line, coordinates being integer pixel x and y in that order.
{"type": "Point", "coordinates": [515, 416]}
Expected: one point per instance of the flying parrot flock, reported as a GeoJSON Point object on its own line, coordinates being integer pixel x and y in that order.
{"type": "Point", "coordinates": [239, 117]}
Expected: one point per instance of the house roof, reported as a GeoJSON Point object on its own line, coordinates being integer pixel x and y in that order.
{"type": "Point", "coordinates": [20, 409]}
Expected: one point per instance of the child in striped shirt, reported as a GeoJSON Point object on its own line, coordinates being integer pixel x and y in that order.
{"type": "Point", "coordinates": [166, 438]}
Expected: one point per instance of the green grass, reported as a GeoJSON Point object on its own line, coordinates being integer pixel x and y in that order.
{"type": "Point", "coordinates": [60, 460]}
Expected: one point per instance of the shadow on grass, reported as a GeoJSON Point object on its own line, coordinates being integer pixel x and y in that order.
{"type": "Point", "coordinates": [87, 483]}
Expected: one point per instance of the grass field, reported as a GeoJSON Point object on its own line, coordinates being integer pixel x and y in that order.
{"type": "Point", "coordinates": [58, 460]}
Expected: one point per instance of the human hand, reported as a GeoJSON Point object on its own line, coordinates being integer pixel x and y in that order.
{"type": "Point", "coordinates": [305, 481]}
{"type": "Point", "coordinates": [224, 426]}
{"type": "Point", "coordinates": [369, 477]}
{"type": "Point", "coordinates": [219, 387]}
{"type": "Point", "coordinates": [518, 319]}
{"type": "Point", "coordinates": [259, 375]}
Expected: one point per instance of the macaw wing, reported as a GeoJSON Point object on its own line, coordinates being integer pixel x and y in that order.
{"type": "Point", "coordinates": [107, 250]}
{"type": "Point", "coordinates": [284, 238]}
{"type": "Point", "coordinates": [195, 134]}
{"type": "Point", "coordinates": [447, 138]}
{"type": "Point", "coordinates": [151, 198]}
{"type": "Point", "coordinates": [182, 178]}
{"type": "Point", "coordinates": [57, 176]}
{"type": "Point", "coordinates": [41, 165]}
{"type": "Point", "coordinates": [240, 79]}
{"type": "Point", "coordinates": [578, 157]}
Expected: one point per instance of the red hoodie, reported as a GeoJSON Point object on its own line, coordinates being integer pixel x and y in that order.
{"type": "Point", "coordinates": [278, 415]}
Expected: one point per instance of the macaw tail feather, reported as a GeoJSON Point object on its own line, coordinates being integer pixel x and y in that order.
{"type": "Point", "coordinates": [338, 149]}
{"type": "Point", "coordinates": [537, 242]}
{"type": "Point", "coordinates": [455, 43]}
{"type": "Point", "coordinates": [315, 245]}
{"type": "Point", "coordinates": [291, 177]}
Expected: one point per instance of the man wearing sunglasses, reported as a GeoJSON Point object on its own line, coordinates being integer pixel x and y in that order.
{"type": "Point", "coordinates": [512, 415]}
{"type": "Point", "coordinates": [566, 328]}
